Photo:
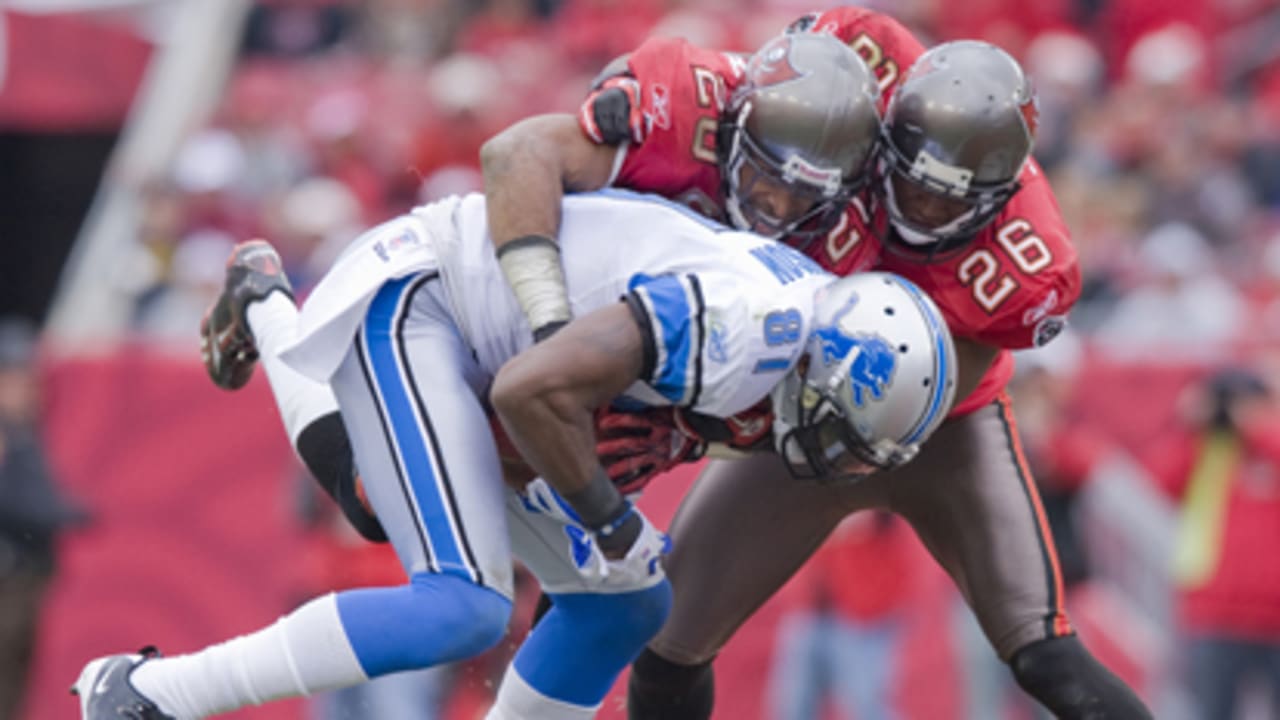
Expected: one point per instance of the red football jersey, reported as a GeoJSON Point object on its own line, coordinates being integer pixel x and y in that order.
{"type": "Point", "coordinates": [885, 45]}
{"type": "Point", "coordinates": [683, 90]}
{"type": "Point", "coordinates": [1011, 288]}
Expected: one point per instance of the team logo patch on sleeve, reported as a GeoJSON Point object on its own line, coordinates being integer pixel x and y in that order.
{"type": "Point", "coordinates": [718, 343]}
{"type": "Point", "coordinates": [1048, 329]}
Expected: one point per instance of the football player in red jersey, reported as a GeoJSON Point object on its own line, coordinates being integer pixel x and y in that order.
{"type": "Point", "coordinates": [957, 205]}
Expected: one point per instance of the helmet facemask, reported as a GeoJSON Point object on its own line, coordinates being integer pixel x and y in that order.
{"type": "Point", "coordinates": [976, 204]}
{"type": "Point", "coordinates": [956, 137]}
{"type": "Point", "coordinates": [876, 378]}
{"type": "Point", "coordinates": [815, 437]}
{"type": "Point", "coordinates": [797, 136]}
{"type": "Point", "coordinates": [825, 190]}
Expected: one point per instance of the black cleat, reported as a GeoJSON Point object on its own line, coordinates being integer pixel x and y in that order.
{"type": "Point", "coordinates": [105, 691]}
{"type": "Point", "coordinates": [254, 271]}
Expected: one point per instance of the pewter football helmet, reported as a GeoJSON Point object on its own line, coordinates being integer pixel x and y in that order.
{"type": "Point", "coordinates": [805, 117]}
{"type": "Point", "coordinates": [957, 132]}
{"type": "Point", "coordinates": [880, 378]}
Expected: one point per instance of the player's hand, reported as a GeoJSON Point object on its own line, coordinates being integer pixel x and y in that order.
{"type": "Point", "coordinates": [614, 112]}
{"type": "Point", "coordinates": [634, 447]}
{"type": "Point", "coordinates": [640, 567]}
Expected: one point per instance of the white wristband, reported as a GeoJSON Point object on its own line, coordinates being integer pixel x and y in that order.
{"type": "Point", "coordinates": [531, 265]}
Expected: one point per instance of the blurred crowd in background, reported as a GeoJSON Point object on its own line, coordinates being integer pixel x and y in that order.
{"type": "Point", "coordinates": [1151, 425]}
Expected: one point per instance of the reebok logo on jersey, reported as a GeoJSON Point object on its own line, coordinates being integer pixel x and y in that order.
{"type": "Point", "coordinates": [660, 102]}
{"type": "Point", "coordinates": [384, 248]}
{"type": "Point", "coordinates": [1035, 314]}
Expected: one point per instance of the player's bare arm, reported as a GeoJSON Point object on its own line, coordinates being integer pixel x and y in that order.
{"type": "Point", "coordinates": [530, 165]}
{"type": "Point", "coordinates": [527, 168]}
{"type": "Point", "coordinates": [973, 360]}
{"type": "Point", "coordinates": [546, 398]}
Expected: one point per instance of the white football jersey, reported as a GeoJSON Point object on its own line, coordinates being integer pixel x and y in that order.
{"type": "Point", "coordinates": [727, 311]}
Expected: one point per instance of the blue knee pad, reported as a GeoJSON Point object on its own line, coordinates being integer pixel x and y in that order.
{"type": "Point", "coordinates": [434, 619]}
{"type": "Point", "coordinates": [577, 650]}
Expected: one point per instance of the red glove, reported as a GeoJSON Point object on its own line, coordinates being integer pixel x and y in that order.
{"type": "Point", "coordinates": [636, 446]}
{"type": "Point", "coordinates": [614, 111]}
{"type": "Point", "coordinates": [750, 429]}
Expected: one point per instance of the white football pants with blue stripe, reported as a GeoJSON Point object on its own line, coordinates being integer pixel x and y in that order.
{"type": "Point", "coordinates": [410, 393]}
{"type": "Point", "coordinates": [409, 390]}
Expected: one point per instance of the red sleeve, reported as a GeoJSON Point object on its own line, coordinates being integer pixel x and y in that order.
{"type": "Point", "coordinates": [887, 47]}
{"type": "Point", "coordinates": [683, 90]}
{"type": "Point", "coordinates": [1013, 287]}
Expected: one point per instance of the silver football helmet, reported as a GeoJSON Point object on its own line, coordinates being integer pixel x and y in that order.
{"type": "Point", "coordinates": [804, 119]}
{"type": "Point", "coordinates": [957, 133]}
{"type": "Point", "coordinates": [879, 379]}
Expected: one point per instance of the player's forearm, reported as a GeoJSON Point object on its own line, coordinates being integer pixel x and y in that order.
{"type": "Point", "coordinates": [527, 168]}
{"type": "Point", "coordinates": [555, 432]}
{"type": "Point", "coordinates": [546, 398]}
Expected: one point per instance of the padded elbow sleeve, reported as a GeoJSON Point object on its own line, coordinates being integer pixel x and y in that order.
{"type": "Point", "coordinates": [325, 448]}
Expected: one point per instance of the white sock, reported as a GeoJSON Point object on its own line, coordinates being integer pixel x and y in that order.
{"type": "Point", "coordinates": [518, 700]}
{"type": "Point", "coordinates": [301, 653]}
{"type": "Point", "coordinates": [274, 322]}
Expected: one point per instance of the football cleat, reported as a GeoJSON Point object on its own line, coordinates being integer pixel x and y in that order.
{"type": "Point", "coordinates": [105, 691]}
{"type": "Point", "coordinates": [254, 271]}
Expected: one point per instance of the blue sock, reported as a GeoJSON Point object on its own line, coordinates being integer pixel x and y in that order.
{"type": "Point", "coordinates": [433, 619]}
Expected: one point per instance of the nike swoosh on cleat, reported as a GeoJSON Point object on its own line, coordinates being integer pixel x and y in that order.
{"type": "Point", "coordinates": [101, 686]}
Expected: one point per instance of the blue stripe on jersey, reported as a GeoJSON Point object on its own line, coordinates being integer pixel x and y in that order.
{"type": "Point", "coordinates": [418, 464]}
{"type": "Point", "coordinates": [773, 364]}
{"type": "Point", "coordinates": [675, 327]}
{"type": "Point", "coordinates": [939, 355]}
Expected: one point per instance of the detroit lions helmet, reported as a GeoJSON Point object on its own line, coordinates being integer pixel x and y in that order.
{"type": "Point", "coordinates": [958, 131]}
{"type": "Point", "coordinates": [879, 379]}
{"type": "Point", "coordinates": [804, 119]}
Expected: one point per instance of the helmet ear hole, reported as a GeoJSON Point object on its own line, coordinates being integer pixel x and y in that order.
{"type": "Point", "coordinates": [805, 118]}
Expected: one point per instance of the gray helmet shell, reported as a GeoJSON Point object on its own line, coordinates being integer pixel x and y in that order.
{"type": "Point", "coordinates": [805, 116]}
{"type": "Point", "coordinates": [960, 125]}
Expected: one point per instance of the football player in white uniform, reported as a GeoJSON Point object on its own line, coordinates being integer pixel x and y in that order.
{"type": "Point", "coordinates": [419, 337]}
